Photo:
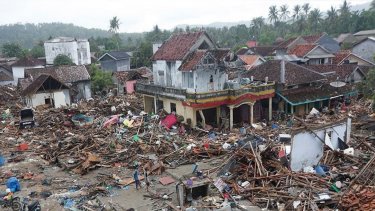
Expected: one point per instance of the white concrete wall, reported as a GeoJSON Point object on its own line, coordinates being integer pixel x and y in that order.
{"type": "Point", "coordinates": [2, 83]}
{"type": "Point", "coordinates": [366, 50]}
{"type": "Point", "coordinates": [84, 56]}
{"type": "Point", "coordinates": [66, 48]}
{"type": "Point", "coordinates": [307, 149]}
{"type": "Point", "coordinates": [61, 98]}
{"type": "Point", "coordinates": [19, 72]}
{"type": "Point", "coordinates": [202, 80]}
{"type": "Point", "coordinates": [161, 66]}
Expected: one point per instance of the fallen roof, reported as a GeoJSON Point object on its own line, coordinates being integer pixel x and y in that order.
{"type": "Point", "coordinates": [53, 83]}
{"type": "Point", "coordinates": [311, 94]}
{"type": "Point", "coordinates": [294, 74]}
{"type": "Point", "coordinates": [177, 46]}
{"type": "Point", "coordinates": [195, 57]}
{"type": "Point", "coordinates": [5, 77]}
{"type": "Point", "coordinates": [134, 74]}
{"type": "Point", "coordinates": [65, 74]}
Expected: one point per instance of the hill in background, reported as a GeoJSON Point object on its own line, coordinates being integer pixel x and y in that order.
{"type": "Point", "coordinates": [28, 35]}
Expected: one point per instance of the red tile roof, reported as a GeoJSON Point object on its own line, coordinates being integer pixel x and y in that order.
{"type": "Point", "coordinates": [177, 46]}
{"type": "Point", "coordinates": [249, 59]}
{"type": "Point", "coordinates": [312, 38]}
{"type": "Point", "coordinates": [294, 74]}
{"type": "Point", "coordinates": [302, 50]}
{"type": "Point", "coordinates": [340, 56]}
{"type": "Point", "coordinates": [286, 43]}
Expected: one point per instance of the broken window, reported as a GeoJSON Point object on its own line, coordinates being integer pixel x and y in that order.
{"type": "Point", "coordinates": [173, 107]}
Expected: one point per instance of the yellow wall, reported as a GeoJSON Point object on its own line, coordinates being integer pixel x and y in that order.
{"type": "Point", "coordinates": [149, 103]}
{"type": "Point", "coordinates": [185, 111]}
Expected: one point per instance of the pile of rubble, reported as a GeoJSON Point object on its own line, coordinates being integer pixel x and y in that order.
{"type": "Point", "coordinates": [112, 132]}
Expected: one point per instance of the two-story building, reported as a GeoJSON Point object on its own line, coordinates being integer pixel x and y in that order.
{"type": "Point", "coordinates": [189, 78]}
{"type": "Point", "coordinates": [78, 50]}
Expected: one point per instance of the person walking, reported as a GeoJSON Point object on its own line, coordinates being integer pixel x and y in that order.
{"type": "Point", "coordinates": [136, 177]}
{"type": "Point", "coordinates": [146, 179]}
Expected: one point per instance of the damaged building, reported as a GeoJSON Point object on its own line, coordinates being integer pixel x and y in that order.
{"type": "Point", "coordinates": [189, 78]}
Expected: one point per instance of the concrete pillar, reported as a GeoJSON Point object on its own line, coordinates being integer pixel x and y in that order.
{"type": "Point", "coordinates": [156, 107]}
{"type": "Point", "coordinates": [218, 114]}
{"type": "Point", "coordinates": [231, 117]}
{"type": "Point", "coordinates": [291, 109]}
{"type": "Point", "coordinates": [270, 109]}
{"type": "Point", "coordinates": [203, 119]}
{"type": "Point", "coordinates": [251, 120]}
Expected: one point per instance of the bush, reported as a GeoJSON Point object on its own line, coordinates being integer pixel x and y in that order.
{"type": "Point", "coordinates": [62, 60]}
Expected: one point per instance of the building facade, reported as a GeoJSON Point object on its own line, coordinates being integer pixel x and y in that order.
{"type": "Point", "coordinates": [190, 79]}
{"type": "Point", "coordinates": [78, 50]}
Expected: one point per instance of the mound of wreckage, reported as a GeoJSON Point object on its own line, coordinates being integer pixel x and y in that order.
{"type": "Point", "coordinates": [321, 162]}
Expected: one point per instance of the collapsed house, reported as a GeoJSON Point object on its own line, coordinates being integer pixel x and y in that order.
{"type": "Point", "coordinates": [76, 78]}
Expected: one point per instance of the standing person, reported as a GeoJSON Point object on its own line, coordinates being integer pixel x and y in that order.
{"type": "Point", "coordinates": [136, 177]}
{"type": "Point", "coordinates": [146, 179]}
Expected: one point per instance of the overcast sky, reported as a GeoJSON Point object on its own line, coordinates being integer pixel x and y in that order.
{"type": "Point", "coordinates": [142, 15]}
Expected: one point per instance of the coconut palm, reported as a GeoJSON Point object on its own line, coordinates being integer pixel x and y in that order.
{"type": "Point", "coordinates": [315, 18]}
{"type": "Point", "coordinates": [297, 12]}
{"type": "Point", "coordinates": [114, 24]}
{"type": "Point", "coordinates": [332, 14]}
{"type": "Point", "coordinates": [306, 8]}
{"type": "Point", "coordinates": [284, 12]}
{"type": "Point", "coordinates": [273, 14]}
{"type": "Point", "coordinates": [257, 25]}
{"type": "Point", "coordinates": [345, 8]}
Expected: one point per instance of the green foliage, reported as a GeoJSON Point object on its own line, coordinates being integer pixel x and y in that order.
{"type": "Point", "coordinates": [101, 80]}
{"type": "Point", "coordinates": [37, 51]}
{"type": "Point", "coordinates": [12, 50]}
{"type": "Point", "coordinates": [62, 60]}
{"type": "Point", "coordinates": [367, 87]}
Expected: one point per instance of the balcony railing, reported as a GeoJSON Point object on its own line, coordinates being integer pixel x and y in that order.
{"type": "Point", "coordinates": [153, 89]}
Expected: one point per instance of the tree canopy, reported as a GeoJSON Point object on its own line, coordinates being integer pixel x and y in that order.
{"type": "Point", "coordinates": [62, 60]}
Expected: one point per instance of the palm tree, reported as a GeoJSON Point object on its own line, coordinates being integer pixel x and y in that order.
{"type": "Point", "coordinates": [345, 8]}
{"type": "Point", "coordinates": [257, 25]}
{"type": "Point", "coordinates": [373, 5]}
{"type": "Point", "coordinates": [315, 18]}
{"type": "Point", "coordinates": [273, 14]}
{"type": "Point", "coordinates": [306, 8]}
{"type": "Point", "coordinates": [297, 12]}
{"type": "Point", "coordinates": [114, 25]}
{"type": "Point", "coordinates": [284, 12]}
{"type": "Point", "coordinates": [331, 14]}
